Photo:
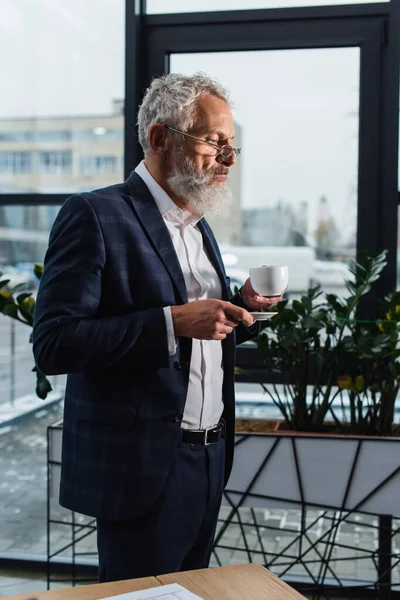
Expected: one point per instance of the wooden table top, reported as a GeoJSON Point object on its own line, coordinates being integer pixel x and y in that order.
{"type": "Point", "coordinates": [90, 592]}
{"type": "Point", "coordinates": [236, 582]}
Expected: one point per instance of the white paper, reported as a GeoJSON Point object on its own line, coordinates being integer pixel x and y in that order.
{"type": "Point", "coordinates": [172, 591]}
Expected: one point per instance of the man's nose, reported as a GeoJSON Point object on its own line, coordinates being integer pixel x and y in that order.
{"type": "Point", "coordinates": [227, 162]}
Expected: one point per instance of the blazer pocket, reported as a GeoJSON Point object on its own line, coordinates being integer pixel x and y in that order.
{"type": "Point", "coordinates": [97, 412]}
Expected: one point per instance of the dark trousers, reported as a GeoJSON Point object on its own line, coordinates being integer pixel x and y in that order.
{"type": "Point", "coordinates": [177, 534]}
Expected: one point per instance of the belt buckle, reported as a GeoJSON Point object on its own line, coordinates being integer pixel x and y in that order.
{"type": "Point", "coordinates": [206, 442]}
{"type": "Point", "coordinates": [214, 429]}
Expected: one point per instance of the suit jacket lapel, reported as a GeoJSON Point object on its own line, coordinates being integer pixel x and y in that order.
{"type": "Point", "coordinates": [214, 255]}
{"type": "Point", "coordinates": [152, 222]}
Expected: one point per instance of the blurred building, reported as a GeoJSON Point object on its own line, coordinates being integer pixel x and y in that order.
{"type": "Point", "coordinates": [273, 226]}
{"type": "Point", "coordinates": [61, 154]}
{"type": "Point", "coordinates": [53, 155]}
{"type": "Point", "coordinates": [326, 234]}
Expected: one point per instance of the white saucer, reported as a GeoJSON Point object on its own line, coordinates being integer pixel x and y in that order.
{"type": "Point", "coordinates": [262, 316]}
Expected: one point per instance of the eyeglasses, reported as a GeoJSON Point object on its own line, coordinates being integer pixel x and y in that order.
{"type": "Point", "coordinates": [225, 151]}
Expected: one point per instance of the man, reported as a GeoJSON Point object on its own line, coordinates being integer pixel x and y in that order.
{"type": "Point", "coordinates": [135, 306]}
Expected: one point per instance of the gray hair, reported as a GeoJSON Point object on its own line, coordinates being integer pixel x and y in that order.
{"type": "Point", "coordinates": [172, 99]}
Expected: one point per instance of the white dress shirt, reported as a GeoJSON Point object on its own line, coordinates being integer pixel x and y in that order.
{"type": "Point", "coordinates": [204, 403]}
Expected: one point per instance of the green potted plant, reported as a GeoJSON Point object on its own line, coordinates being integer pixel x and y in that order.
{"type": "Point", "coordinates": [20, 305]}
{"type": "Point", "coordinates": [370, 371]}
{"type": "Point", "coordinates": [337, 378]}
{"type": "Point", "coordinates": [324, 353]}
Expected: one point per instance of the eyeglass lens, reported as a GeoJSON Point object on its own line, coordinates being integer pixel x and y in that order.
{"type": "Point", "coordinates": [226, 151]}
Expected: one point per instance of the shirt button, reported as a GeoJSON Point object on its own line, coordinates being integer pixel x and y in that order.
{"type": "Point", "coordinates": [178, 418]}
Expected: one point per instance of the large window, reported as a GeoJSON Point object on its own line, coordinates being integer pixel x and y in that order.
{"type": "Point", "coordinates": [24, 232]}
{"type": "Point", "coordinates": [62, 93]}
{"type": "Point", "coordinates": [295, 182]}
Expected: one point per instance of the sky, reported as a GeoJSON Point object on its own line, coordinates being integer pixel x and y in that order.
{"type": "Point", "coordinates": [61, 57]}
{"type": "Point", "coordinates": [297, 109]}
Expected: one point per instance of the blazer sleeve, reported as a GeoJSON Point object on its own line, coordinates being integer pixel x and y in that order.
{"type": "Point", "coordinates": [68, 334]}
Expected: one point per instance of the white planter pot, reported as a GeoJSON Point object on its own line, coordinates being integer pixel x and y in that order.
{"type": "Point", "coordinates": [338, 472]}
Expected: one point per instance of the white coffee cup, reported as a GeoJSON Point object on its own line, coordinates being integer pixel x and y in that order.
{"type": "Point", "coordinates": [269, 280]}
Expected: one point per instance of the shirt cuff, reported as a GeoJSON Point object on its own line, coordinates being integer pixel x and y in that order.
{"type": "Point", "coordinates": [170, 330]}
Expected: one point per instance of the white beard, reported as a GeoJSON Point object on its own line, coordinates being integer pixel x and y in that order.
{"type": "Point", "coordinates": [199, 190]}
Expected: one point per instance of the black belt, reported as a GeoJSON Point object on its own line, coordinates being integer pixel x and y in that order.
{"type": "Point", "coordinates": [204, 436]}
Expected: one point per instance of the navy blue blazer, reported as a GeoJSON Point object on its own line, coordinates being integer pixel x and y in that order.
{"type": "Point", "coordinates": [109, 269]}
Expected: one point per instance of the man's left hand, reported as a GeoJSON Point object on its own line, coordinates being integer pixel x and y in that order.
{"type": "Point", "coordinates": [254, 301]}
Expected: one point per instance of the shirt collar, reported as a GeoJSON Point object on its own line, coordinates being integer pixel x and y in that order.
{"type": "Point", "coordinates": [168, 209]}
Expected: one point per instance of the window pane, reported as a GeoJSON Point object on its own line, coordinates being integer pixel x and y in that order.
{"type": "Point", "coordinates": [182, 6]}
{"type": "Point", "coordinates": [61, 106]}
{"type": "Point", "coordinates": [24, 232]}
{"type": "Point", "coordinates": [295, 183]}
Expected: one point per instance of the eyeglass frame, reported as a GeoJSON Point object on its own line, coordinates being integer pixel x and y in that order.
{"type": "Point", "coordinates": [214, 145]}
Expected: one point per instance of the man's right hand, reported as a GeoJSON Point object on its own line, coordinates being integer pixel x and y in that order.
{"type": "Point", "coordinates": [208, 319]}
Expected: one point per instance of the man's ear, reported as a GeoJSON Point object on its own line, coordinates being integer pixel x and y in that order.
{"type": "Point", "coordinates": [158, 138]}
